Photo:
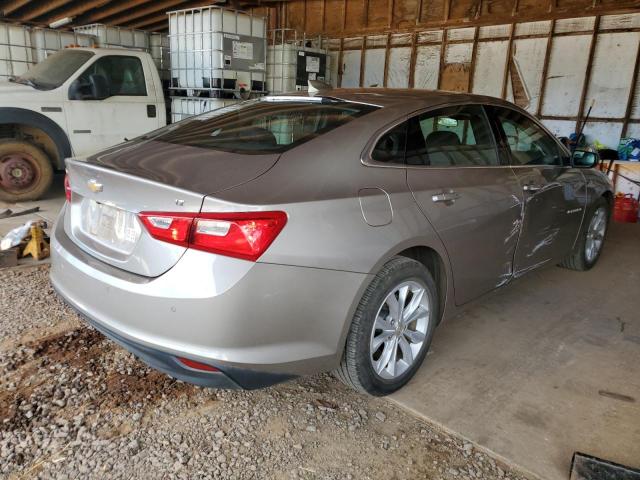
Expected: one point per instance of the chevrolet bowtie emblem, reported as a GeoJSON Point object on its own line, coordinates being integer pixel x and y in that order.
{"type": "Point", "coordinates": [94, 185]}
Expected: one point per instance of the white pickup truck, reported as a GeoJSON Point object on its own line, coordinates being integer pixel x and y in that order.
{"type": "Point", "coordinates": [75, 102]}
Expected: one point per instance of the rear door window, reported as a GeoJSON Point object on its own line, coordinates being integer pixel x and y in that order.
{"type": "Point", "coordinates": [457, 136]}
{"type": "Point", "coordinates": [261, 126]}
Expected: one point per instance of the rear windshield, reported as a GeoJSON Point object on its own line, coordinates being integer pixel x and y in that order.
{"type": "Point", "coordinates": [260, 126]}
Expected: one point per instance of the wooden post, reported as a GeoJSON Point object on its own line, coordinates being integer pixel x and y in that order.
{"type": "Point", "coordinates": [632, 94]}
{"type": "Point", "coordinates": [443, 52]}
{"type": "Point", "coordinates": [385, 75]}
{"type": "Point", "coordinates": [363, 53]}
{"type": "Point", "coordinates": [507, 65]}
{"type": "Point", "coordinates": [412, 60]}
{"type": "Point", "coordinates": [587, 74]}
{"type": "Point", "coordinates": [340, 63]}
{"type": "Point", "coordinates": [545, 68]}
{"type": "Point", "coordinates": [474, 54]}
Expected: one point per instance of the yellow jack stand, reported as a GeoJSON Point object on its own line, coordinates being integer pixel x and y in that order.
{"type": "Point", "coordinates": [37, 247]}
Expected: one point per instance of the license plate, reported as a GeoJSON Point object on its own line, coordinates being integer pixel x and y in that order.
{"type": "Point", "coordinates": [110, 225]}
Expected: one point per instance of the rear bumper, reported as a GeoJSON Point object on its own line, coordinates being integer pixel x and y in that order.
{"type": "Point", "coordinates": [259, 324]}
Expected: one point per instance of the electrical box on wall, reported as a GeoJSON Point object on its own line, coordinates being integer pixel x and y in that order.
{"type": "Point", "coordinates": [310, 66]}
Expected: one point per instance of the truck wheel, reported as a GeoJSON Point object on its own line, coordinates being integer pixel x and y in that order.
{"type": "Point", "coordinates": [25, 171]}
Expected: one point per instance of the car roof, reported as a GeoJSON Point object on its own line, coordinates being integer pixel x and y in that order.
{"type": "Point", "coordinates": [413, 99]}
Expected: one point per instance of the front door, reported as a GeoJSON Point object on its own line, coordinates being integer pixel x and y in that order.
{"type": "Point", "coordinates": [553, 190]}
{"type": "Point", "coordinates": [472, 199]}
{"type": "Point", "coordinates": [128, 112]}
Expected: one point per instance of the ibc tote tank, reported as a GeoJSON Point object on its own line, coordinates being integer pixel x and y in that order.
{"type": "Point", "coordinates": [214, 48]}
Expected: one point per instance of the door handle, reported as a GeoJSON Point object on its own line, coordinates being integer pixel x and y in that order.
{"type": "Point", "coordinates": [532, 187]}
{"type": "Point", "coordinates": [151, 111]}
{"type": "Point", "coordinates": [446, 197]}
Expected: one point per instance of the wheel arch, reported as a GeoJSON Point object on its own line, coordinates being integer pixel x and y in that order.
{"type": "Point", "coordinates": [22, 119]}
{"type": "Point", "coordinates": [433, 261]}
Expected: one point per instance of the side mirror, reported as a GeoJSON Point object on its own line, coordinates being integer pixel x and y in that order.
{"type": "Point", "coordinates": [584, 159]}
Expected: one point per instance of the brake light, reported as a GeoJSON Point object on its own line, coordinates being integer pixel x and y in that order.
{"type": "Point", "coordinates": [240, 235]}
{"type": "Point", "coordinates": [67, 188]}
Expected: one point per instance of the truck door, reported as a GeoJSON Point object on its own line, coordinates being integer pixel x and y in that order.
{"type": "Point", "coordinates": [129, 109]}
{"type": "Point", "coordinates": [468, 193]}
{"type": "Point", "coordinates": [554, 191]}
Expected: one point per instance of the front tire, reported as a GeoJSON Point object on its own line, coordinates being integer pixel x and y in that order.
{"type": "Point", "coordinates": [391, 330]}
{"type": "Point", "coordinates": [588, 247]}
{"type": "Point", "coordinates": [25, 171]}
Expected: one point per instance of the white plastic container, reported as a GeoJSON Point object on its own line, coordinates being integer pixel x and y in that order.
{"type": "Point", "coordinates": [289, 66]}
{"type": "Point", "coordinates": [184, 107]}
{"type": "Point", "coordinates": [116, 37]}
{"type": "Point", "coordinates": [16, 53]}
{"type": "Point", "coordinates": [46, 41]}
{"type": "Point", "coordinates": [159, 50]}
{"type": "Point", "coordinates": [215, 48]}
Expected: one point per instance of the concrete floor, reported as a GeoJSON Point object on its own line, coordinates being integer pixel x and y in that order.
{"type": "Point", "coordinates": [546, 367]}
{"type": "Point", "coordinates": [50, 205]}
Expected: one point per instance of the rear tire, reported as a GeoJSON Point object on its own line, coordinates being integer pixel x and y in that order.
{"type": "Point", "coordinates": [588, 247]}
{"type": "Point", "coordinates": [379, 331]}
{"type": "Point", "coordinates": [25, 171]}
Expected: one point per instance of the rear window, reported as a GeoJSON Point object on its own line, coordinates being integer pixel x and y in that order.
{"type": "Point", "coordinates": [259, 126]}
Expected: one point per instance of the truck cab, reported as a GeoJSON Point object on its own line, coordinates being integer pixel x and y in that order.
{"type": "Point", "coordinates": [76, 102]}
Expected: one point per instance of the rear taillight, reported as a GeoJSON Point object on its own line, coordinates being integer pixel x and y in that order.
{"type": "Point", "coordinates": [67, 188]}
{"type": "Point", "coordinates": [241, 235]}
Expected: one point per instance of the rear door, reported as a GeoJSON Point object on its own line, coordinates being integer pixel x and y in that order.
{"type": "Point", "coordinates": [470, 197]}
{"type": "Point", "coordinates": [552, 189]}
{"type": "Point", "coordinates": [130, 111]}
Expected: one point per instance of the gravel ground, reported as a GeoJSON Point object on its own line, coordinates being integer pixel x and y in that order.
{"type": "Point", "coordinates": [74, 405]}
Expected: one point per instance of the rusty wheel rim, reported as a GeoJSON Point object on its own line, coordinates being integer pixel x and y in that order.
{"type": "Point", "coordinates": [18, 172]}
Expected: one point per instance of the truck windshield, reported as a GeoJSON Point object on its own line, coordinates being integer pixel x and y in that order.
{"type": "Point", "coordinates": [263, 126]}
{"type": "Point", "coordinates": [54, 70]}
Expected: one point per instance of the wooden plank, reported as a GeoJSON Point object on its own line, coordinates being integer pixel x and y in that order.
{"type": "Point", "coordinates": [632, 94]}
{"type": "Point", "coordinates": [363, 51]}
{"type": "Point", "coordinates": [507, 65]}
{"type": "Point", "coordinates": [545, 68]}
{"type": "Point", "coordinates": [587, 74]}
{"type": "Point", "coordinates": [443, 52]}
{"type": "Point", "coordinates": [340, 63]}
{"type": "Point", "coordinates": [412, 60]}
{"type": "Point", "coordinates": [474, 54]}
{"type": "Point", "coordinates": [385, 76]}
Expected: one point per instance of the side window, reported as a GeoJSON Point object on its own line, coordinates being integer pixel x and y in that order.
{"type": "Point", "coordinates": [124, 75]}
{"type": "Point", "coordinates": [391, 146]}
{"type": "Point", "coordinates": [451, 137]}
{"type": "Point", "coordinates": [529, 144]}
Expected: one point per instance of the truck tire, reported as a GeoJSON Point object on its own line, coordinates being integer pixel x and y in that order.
{"type": "Point", "coordinates": [25, 171]}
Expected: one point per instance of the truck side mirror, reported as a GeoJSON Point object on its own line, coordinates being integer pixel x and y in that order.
{"type": "Point", "coordinates": [584, 159]}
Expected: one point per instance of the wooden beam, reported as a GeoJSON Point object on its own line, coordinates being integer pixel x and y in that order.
{"type": "Point", "coordinates": [73, 10]}
{"type": "Point", "coordinates": [587, 74]}
{"type": "Point", "coordinates": [545, 68]}
{"type": "Point", "coordinates": [412, 60]}
{"type": "Point", "coordinates": [340, 63]}
{"type": "Point", "coordinates": [443, 53]}
{"type": "Point", "coordinates": [152, 18]}
{"type": "Point", "coordinates": [363, 53]}
{"type": "Point", "coordinates": [158, 27]}
{"type": "Point", "coordinates": [507, 64]}
{"type": "Point", "coordinates": [150, 9]}
{"type": "Point", "coordinates": [632, 95]}
{"type": "Point", "coordinates": [10, 7]}
{"type": "Point", "coordinates": [474, 55]}
{"type": "Point", "coordinates": [387, 52]}
{"type": "Point", "coordinates": [112, 8]}
{"type": "Point", "coordinates": [447, 10]}
{"type": "Point", "coordinates": [419, 12]}
{"type": "Point", "coordinates": [390, 13]}
{"type": "Point", "coordinates": [40, 9]}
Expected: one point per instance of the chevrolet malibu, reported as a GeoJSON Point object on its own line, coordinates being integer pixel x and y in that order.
{"type": "Point", "coordinates": [333, 230]}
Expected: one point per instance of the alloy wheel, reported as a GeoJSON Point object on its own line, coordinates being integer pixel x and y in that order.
{"type": "Point", "coordinates": [595, 234]}
{"type": "Point", "coordinates": [400, 330]}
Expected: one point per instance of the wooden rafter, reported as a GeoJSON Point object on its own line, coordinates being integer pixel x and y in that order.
{"type": "Point", "coordinates": [72, 9]}
{"type": "Point", "coordinates": [9, 7]}
{"type": "Point", "coordinates": [158, 7]}
{"type": "Point", "coordinates": [112, 8]}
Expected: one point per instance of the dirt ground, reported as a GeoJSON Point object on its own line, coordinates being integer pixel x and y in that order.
{"type": "Point", "coordinates": [75, 405]}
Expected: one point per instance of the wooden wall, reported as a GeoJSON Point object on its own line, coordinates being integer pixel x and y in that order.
{"type": "Point", "coordinates": [340, 18]}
